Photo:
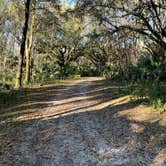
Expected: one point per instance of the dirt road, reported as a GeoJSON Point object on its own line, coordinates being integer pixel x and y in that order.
{"type": "Point", "coordinates": [83, 123]}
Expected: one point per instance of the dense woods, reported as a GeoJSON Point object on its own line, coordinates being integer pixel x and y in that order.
{"type": "Point", "coordinates": [47, 40]}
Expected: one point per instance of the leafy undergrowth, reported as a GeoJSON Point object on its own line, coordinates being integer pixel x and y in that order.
{"type": "Point", "coordinates": [147, 93]}
{"type": "Point", "coordinates": [153, 94]}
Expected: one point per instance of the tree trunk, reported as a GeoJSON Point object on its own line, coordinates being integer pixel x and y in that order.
{"type": "Point", "coordinates": [23, 43]}
{"type": "Point", "coordinates": [27, 69]}
{"type": "Point", "coordinates": [29, 50]}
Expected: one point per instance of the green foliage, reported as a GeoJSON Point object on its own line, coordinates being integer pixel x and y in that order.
{"type": "Point", "coordinates": [151, 92]}
{"type": "Point", "coordinates": [116, 73]}
{"type": "Point", "coordinates": [5, 86]}
{"type": "Point", "coordinates": [51, 71]}
{"type": "Point", "coordinates": [71, 69]}
{"type": "Point", "coordinates": [107, 71]}
{"type": "Point", "coordinates": [152, 67]}
{"type": "Point", "coordinates": [48, 71]}
{"type": "Point", "coordinates": [111, 72]}
{"type": "Point", "coordinates": [150, 76]}
{"type": "Point", "coordinates": [86, 70]}
{"type": "Point", "coordinates": [159, 105]}
{"type": "Point", "coordinates": [82, 70]}
{"type": "Point", "coordinates": [76, 76]}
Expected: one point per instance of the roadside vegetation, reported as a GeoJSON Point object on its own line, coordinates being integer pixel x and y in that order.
{"type": "Point", "coordinates": [58, 41]}
{"type": "Point", "coordinates": [46, 45]}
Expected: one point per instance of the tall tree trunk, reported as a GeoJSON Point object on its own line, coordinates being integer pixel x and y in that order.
{"type": "Point", "coordinates": [27, 68]}
{"type": "Point", "coordinates": [28, 64]}
{"type": "Point", "coordinates": [29, 49]}
{"type": "Point", "coordinates": [23, 43]}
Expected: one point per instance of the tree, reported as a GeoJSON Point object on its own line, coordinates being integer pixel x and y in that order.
{"type": "Point", "coordinates": [145, 17]}
{"type": "Point", "coordinates": [29, 42]}
{"type": "Point", "coordinates": [23, 45]}
{"type": "Point", "coordinates": [97, 49]}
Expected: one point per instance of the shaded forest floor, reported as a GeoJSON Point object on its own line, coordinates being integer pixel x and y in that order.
{"type": "Point", "coordinates": [80, 123]}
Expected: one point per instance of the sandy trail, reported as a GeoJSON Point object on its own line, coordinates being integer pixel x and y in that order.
{"type": "Point", "coordinates": [83, 127]}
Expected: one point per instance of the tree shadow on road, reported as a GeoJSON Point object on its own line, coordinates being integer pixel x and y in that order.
{"type": "Point", "coordinates": [139, 141]}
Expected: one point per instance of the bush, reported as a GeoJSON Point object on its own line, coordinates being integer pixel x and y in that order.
{"type": "Point", "coordinates": [159, 105]}
{"type": "Point", "coordinates": [51, 71]}
{"type": "Point", "coordinates": [153, 92]}
{"type": "Point", "coordinates": [5, 86]}
{"type": "Point", "coordinates": [150, 76]}
{"type": "Point", "coordinates": [48, 71]}
{"type": "Point", "coordinates": [86, 70]}
{"type": "Point", "coordinates": [118, 74]}
{"type": "Point", "coordinates": [152, 68]}
{"type": "Point", "coordinates": [111, 72]}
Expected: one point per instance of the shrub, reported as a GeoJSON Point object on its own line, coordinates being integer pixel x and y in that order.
{"type": "Point", "coordinates": [153, 92]}
{"type": "Point", "coordinates": [86, 70]}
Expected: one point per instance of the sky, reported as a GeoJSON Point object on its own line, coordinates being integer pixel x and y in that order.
{"type": "Point", "coordinates": [69, 2]}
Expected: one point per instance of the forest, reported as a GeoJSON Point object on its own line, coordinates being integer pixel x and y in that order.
{"type": "Point", "coordinates": [87, 77]}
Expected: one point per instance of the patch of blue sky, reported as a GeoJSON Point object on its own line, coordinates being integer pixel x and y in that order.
{"type": "Point", "coordinates": [69, 3]}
